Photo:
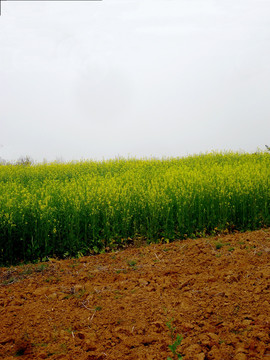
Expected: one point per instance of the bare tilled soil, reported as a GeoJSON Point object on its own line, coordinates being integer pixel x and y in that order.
{"type": "Point", "coordinates": [132, 304]}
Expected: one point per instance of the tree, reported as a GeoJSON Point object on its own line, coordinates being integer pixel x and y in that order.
{"type": "Point", "coordinates": [25, 161]}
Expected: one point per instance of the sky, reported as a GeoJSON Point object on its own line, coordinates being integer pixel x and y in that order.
{"type": "Point", "coordinates": [133, 78]}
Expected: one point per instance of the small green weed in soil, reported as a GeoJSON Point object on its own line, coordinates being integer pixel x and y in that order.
{"type": "Point", "coordinates": [176, 339]}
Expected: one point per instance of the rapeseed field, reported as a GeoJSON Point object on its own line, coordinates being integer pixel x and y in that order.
{"type": "Point", "coordinates": [90, 206]}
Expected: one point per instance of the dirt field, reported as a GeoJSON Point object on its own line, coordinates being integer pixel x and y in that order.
{"type": "Point", "coordinates": [131, 304]}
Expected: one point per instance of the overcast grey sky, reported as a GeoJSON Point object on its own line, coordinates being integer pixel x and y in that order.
{"type": "Point", "coordinates": [133, 78]}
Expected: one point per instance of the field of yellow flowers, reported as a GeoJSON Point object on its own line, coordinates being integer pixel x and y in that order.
{"type": "Point", "coordinates": [89, 206]}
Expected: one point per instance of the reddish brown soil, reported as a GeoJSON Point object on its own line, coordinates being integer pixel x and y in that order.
{"type": "Point", "coordinates": [116, 305]}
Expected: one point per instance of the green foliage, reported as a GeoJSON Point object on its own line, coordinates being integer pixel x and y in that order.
{"type": "Point", "coordinates": [219, 245]}
{"type": "Point", "coordinates": [89, 207]}
{"type": "Point", "coordinates": [41, 268]}
{"type": "Point", "coordinates": [174, 346]}
{"type": "Point", "coordinates": [132, 263]}
{"type": "Point", "coordinates": [177, 339]}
